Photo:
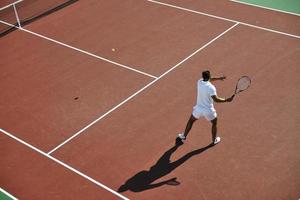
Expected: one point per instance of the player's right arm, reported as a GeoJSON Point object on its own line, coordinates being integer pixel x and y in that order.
{"type": "Point", "coordinates": [221, 100]}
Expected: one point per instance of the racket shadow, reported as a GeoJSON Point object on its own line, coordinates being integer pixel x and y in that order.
{"type": "Point", "coordinates": [143, 180]}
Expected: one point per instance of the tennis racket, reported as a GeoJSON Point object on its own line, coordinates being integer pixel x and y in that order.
{"type": "Point", "coordinates": [243, 84]}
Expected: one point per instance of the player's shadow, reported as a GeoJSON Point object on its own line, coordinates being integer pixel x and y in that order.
{"type": "Point", "coordinates": [143, 180]}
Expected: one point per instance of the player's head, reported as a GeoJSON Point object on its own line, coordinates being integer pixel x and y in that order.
{"type": "Point", "coordinates": [206, 75]}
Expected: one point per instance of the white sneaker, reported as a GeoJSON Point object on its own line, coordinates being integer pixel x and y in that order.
{"type": "Point", "coordinates": [217, 140]}
{"type": "Point", "coordinates": [181, 136]}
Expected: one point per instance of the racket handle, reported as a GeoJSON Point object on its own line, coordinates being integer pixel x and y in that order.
{"type": "Point", "coordinates": [230, 98]}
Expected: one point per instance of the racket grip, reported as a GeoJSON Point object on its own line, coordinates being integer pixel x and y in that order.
{"type": "Point", "coordinates": [229, 99]}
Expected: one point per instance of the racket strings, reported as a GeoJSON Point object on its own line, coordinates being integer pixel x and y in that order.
{"type": "Point", "coordinates": [243, 83]}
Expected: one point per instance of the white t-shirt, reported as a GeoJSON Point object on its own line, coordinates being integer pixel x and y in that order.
{"type": "Point", "coordinates": [204, 92]}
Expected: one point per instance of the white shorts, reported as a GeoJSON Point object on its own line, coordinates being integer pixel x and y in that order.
{"type": "Point", "coordinates": [209, 114]}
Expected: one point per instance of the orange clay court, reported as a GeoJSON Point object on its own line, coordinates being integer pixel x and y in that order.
{"type": "Point", "coordinates": [94, 94]}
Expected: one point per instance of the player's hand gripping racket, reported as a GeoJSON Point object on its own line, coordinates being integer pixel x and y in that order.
{"type": "Point", "coordinates": [243, 84]}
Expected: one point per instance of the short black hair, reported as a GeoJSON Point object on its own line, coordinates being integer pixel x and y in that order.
{"type": "Point", "coordinates": [206, 75]}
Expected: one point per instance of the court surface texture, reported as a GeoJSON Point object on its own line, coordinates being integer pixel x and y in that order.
{"type": "Point", "coordinates": [94, 95]}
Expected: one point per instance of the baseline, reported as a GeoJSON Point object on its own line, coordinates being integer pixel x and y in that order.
{"type": "Point", "coordinates": [264, 7]}
{"type": "Point", "coordinates": [222, 18]}
{"type": "Point", "coordinates": [7, 194]}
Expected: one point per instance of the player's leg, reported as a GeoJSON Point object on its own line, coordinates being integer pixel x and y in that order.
{"type": "Point", "coordinates": [214, 128]}
{"type": "Point", "coordinates": [196, 114]}
{"type": "Point", "coordinates": [189, 125]}
{"type": "Point", "coordinates": [211, 115]}
{"type": "Point", "coordinates": [215, 139]}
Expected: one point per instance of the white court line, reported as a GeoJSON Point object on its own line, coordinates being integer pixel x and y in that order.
{"type": "Point", "coordinates": [17, 16]}
{"type": "Point", "coordinates": [80, 50]}
{"type": "Point", "coordinates": [88, 53]}
{"type": "Point", "coordinates": [151, 83]}
{"type": "Point", "coordinates": [273, 9]}
{"type": "Point", "coordinates": [7, 194]}
{"type": "Point", "coordinates": [63, 164]}
{"type": "Point", "coordinates": [222, 18]}
{"type": "Point", "coordinates": [7, 6]}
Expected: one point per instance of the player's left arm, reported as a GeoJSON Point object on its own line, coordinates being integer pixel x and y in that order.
{"type": "Point", "coordinates": [217, 78]}
{"type": "Point", "coordinates": [221, 78]}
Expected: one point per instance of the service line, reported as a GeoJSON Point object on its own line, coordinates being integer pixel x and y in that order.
{"type": "Point", "coordinates": [80, 50]}
{"type": "Point", "coordinates": [9, 5]}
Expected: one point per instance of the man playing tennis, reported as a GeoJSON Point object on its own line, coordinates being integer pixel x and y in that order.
{"type": "Point", "coordinates": [206, 95]}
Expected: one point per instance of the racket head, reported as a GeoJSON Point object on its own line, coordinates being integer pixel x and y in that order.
{"type": "Point", "coordinates": [243, 84]}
